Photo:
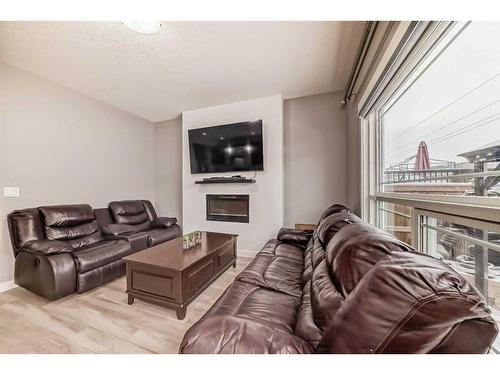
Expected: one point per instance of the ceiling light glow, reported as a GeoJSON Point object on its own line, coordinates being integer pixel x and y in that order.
{"type": "Point", "coordinates": [143, 27]}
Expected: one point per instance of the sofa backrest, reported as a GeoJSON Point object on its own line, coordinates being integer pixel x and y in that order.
{"type": "Point", "coordinates": [139, 213]}
{"type": "Point", "coordinates": [320, 298]}
{"type": "Point", "coordinates": [327, 228]}
{"type": "Point", "coordinates": [374, 294]}
{"type": "Point", "coordinates": [24, 225]}
{"type": "Point", "coordinates": [333, 209]}
{"type": "Point", "coordinates": [365, 291]}
{"type": "Point", "coordinates": [73, 223]}
{"type": "Point", "coordinates": [355, 249]}
{"type": "Point", "coordinates": [331, 224]}
{"type": "Point", "coordinates": [103, 216]}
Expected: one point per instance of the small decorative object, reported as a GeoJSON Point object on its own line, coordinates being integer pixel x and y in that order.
{"type": "Point", "coordinates": [191, 239]}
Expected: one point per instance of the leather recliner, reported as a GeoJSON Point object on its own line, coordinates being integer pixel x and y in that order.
{"type": "Point", "coordinates": [62, 249]}
{"type": "Point", "coordinates": [136, 221]}
{"type": "Point", "coordinates": [350, 288]}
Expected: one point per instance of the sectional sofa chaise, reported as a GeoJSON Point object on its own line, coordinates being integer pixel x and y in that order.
{"type": "Point", "coordinates": [346, 288]}
{"type": "Point", "coordinates": [64, 249]}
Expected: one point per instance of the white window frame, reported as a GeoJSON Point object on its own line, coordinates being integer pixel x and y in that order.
{"type": "Point", "coordinates": [479, 212]}
{"type": "Point", "coordinates": [485, 208]}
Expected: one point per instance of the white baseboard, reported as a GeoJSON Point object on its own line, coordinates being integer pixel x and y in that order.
{"type": "Point", "coordinates": [246, 253]}
{"type": "Point", "coordinates": [7, 286]}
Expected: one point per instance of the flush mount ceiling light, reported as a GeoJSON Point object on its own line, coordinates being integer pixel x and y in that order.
{"type": "Point", "coordinates": [143, 27]}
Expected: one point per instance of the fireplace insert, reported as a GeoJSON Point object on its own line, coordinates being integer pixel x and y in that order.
{"type": "Point", "coordinates": [228, 207]}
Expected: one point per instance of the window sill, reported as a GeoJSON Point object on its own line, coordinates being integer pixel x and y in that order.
{"type": "Point", "coordinates": [482, 208]}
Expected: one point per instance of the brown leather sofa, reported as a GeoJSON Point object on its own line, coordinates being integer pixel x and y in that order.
{"type": "Point", "coordinates": [351, 288]}
{"type": "Point", "coordinates": [62, 249]}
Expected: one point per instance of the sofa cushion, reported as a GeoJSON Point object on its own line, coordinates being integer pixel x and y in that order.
{"type": "Point", "coordinates": [251, 302]}
{"type": "Point", "coordinates": [75, 224]}
{"type": "Point", "coordinates": [77, 236]}
{"type": "Point", "coordinates": [298, 236]}
{"type": "Point", "coordinates": [276, 273]}
{"type": "Point", "coordinates": [326, 300]}
{"type": "Point", "coordinates": [277, 248]}
{"type": "Point", "coordinates": [247, 319]}
{"type": "Point", "coordinates": [313, 257]}
{"type": "Point", "coordinates": [306, 327]}
{"type": "Point", "coordinates": [230, 335]}
{"type": "Point", "coordinates": [66, 215]}
{"type": "Point", "coordinates": [130, 212]}
{"type": "Point", "coordinates": [47, 247]}
{"type": "Point", "coordinates": [105, 252]}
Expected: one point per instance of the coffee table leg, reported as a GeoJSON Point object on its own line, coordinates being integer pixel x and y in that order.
{"type": "Point", "coordinates": [181, 313]}
{"type": "Point", "coordinates": [130, 299]}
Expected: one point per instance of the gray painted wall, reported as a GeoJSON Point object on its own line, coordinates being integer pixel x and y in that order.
{"type": "Point", "coordinates": [168, 162]}
{"type": "Point", "coordinates": [60, 146]}
{"type": "Point", "coordinates": [315, 156]}
{"type": "Point", "coordinates": [353, 156]}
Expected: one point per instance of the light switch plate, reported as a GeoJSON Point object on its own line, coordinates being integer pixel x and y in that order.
{"type": "Point", "coordinates": [11, 191]}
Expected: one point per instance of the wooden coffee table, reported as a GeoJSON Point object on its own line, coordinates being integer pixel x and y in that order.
{"type": "Point", "coordinates": [168, 275]}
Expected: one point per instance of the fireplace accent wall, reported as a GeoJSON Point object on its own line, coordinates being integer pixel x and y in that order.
{"type": "Point", "coordinates": [228, 207]}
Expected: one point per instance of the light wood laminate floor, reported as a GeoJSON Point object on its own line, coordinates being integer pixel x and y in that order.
{"type": "Point", "coordinates": [99, 321]}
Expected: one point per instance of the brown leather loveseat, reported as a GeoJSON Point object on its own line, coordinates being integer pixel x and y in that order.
{"type": "Point", "coordinates": [351, 288]}
{"type": "Point", "coordinates": [62, 249]}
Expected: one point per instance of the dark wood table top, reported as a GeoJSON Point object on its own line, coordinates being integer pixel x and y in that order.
{"type": "Point", "coordinates": [171, 255]}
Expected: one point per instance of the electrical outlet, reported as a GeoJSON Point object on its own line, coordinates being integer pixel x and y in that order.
{"type": "Point", "coordinates": [11, 191]}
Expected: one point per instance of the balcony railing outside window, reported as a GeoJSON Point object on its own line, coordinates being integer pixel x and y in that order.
{"type": "Point", "coordinates": [472, 251]}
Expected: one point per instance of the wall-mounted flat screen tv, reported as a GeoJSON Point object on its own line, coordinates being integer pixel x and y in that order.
{"type": "Point", "coordinates": [227, 148]}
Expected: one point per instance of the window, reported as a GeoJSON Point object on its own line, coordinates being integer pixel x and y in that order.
{"type": "Point", "coordinates": [396, 219]}
{"type": "Point", "coordinates": [445, 128]}
{"type": "Point", "coordinates": [470, 247]}
{"type": "Point", "coordinates": [431, 150]}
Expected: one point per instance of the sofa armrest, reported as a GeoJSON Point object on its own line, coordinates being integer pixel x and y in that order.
{"type": "Point", "coordinates": [226, 334]}
{"type": "Point", "coordinates": [138, 240]}
{"type": "Point", "coordinates": [164, 222]}
{"type": "Point", "coordinates": [115, 230]}
{"type": "Point", "coordinates": [301, 236]}
{"type": "Point", "coordinates": [49, 276]}
{"type": "Point", "coordinates": [47, 247]}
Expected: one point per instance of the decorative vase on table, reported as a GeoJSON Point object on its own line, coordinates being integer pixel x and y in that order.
{"type": "Point", "coordinates": [191, 239]}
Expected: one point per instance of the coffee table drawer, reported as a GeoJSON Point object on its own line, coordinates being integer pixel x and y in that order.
{"type": "Point", "coordinates": [152, 284]}
{"type": "Point", "coordinates": [198, 275]}
{"type": "Point", "coordinates": [225, 256]}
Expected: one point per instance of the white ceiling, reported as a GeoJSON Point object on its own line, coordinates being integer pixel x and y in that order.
{"type": "Point", "coordinates": [187, 65]}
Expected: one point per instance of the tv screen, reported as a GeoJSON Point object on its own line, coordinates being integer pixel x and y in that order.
{"type": "Point", "coordinates": [227, 148]}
